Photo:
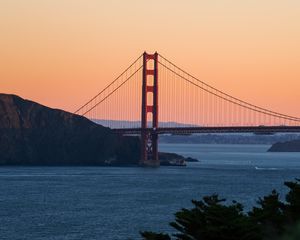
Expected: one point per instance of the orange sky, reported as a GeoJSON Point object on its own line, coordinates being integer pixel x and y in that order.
{"type": "Point", "coordinates": [62, 52]}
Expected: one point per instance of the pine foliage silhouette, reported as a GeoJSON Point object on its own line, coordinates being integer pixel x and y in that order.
{"type": "Point", "coordinates": [213, 219]}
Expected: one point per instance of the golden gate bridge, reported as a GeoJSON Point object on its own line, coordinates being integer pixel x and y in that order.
{"type": "Point", "coordinates": [154, 96]}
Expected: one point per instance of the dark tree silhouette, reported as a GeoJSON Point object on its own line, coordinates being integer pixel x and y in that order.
{"type": "Point", "coordinates": [269, 215]}
{"type": "Point", "coordinates": [213, 219]}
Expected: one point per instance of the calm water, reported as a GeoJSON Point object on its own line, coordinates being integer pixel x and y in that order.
{"type": "Point", "coordinates": [116, 203]}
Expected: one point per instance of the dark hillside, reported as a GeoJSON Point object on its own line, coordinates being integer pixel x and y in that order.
{"type": "Point", "coordinates": [32, 134]}
{"type": "Point", "coordinates": [290, 146]}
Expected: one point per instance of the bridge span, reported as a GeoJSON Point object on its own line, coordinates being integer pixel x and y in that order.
{"type": "Point", "coordinates": [158, 94]}
{"type": "Point", "coordinates": [231, 129]}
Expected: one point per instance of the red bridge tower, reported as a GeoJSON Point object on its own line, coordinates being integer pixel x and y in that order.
{"type": "Point", "coordinates": [149, 155]}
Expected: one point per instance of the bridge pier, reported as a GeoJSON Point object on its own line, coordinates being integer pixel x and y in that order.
{"type": "Point", "coordinates": [150, 149]}
{"type": "Point", "coordinates": [149, 137]}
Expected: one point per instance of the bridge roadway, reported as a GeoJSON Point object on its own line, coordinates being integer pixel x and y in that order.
{"type": "Point", "coordinates": [190, 130]}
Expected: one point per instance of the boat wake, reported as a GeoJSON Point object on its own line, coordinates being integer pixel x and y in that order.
{"type": "Point", "coordinates": [266, 169]}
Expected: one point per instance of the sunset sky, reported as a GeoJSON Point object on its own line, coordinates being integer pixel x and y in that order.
{"type": "Point", "coordinates": [62, 52]}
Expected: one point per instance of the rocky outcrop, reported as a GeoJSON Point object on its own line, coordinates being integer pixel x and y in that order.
{"type": "Point", "coordinates": [173, 159]}
{"type": "Point", "coordinates": [290, 146]}
{"type": "Point", "coordinates": [32, 134]}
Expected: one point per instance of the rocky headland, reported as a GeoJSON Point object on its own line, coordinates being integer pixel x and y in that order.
{"type": "Point", "coordinates": [33, 134]}
{"type": "Point", "coordinates": [289, 146]}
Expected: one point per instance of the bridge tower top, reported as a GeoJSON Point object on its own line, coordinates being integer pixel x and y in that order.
{"type": "Point", "coordinates": [150, 87]}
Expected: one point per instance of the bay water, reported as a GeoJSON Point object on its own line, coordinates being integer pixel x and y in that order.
{"type": "Point", "coordinates": [54, 203]}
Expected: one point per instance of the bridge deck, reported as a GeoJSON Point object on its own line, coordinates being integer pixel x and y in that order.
{"type": "Point", "coordinates": [190, 130]}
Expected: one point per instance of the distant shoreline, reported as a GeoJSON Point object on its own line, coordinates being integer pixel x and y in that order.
{"type": "Point", "coordinates": [290, 146]}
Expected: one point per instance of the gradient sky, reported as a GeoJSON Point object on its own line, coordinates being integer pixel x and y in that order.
{"type": "Point", "coordinates": [62, 52]}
